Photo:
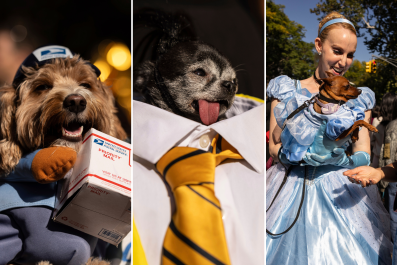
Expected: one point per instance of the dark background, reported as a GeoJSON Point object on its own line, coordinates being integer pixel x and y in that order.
{"type": "Point", "coordinates": [79, 25]}
{"type": "Point", "coordinates": [235, 27]}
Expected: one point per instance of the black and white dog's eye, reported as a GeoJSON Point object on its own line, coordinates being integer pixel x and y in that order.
{"type": "Point", "coordinates": [199, 72]}
{"type": "Point", "coordinates": [43, 87]}
{"type": "Point", "coordinates": [85, 85]}
{"type": "Point", "coordinates": [235, 81]}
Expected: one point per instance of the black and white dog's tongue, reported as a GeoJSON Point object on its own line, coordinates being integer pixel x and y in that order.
{"type": "Point", "coordinates": [209, 111]}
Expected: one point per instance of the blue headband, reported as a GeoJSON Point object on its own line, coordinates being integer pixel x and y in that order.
{"type": "Point", "coordinates": [333, 21]}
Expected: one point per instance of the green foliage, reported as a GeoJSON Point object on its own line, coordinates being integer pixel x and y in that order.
{"type": "Point", "coordinates": [378, 81]}
{"type": "Point", "coordinates": [356, 72]}
{"type": "Point", "coordinates": [286, 52]}
{"type": "Point", "coordinates": [382, 16]}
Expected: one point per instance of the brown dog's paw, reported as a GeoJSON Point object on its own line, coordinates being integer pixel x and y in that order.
{"type": "Point", "coordinates": [52, 163]}
{"type": "Point", "coordinates": [365, 124]}
{"type": "Point", "coordinates": [97, 261]}
{"type": "Point", "coordinates": [355, 128]}
{"type": "Point", "coordinates": [371, 128]}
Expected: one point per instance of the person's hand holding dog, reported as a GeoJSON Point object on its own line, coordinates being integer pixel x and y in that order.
{"type": "Point", "coordinates": [52, 163]}
{"type": "Point", "coordinates": [325, 151]}
{"type": "Point", "coordinates": [322, 145]}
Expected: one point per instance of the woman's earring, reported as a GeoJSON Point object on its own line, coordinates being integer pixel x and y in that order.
{"type": "Point", "coordinates": [319, 53]}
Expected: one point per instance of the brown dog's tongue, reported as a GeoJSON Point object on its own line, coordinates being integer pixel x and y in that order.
{"type": "Point", "coordinates": [209, 111]}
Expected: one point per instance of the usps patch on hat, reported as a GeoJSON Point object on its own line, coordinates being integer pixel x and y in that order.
{"type": "Point", "coordinates": [50, 52]}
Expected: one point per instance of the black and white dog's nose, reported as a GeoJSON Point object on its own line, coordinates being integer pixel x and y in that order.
{"type": "Point", "coordinates": [75, 103]}
{"type": "Point", "coordinates": [230, 86]}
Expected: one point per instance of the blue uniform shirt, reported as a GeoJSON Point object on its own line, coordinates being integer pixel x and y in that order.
{"type": "Point", "coordinates": [20, 189]}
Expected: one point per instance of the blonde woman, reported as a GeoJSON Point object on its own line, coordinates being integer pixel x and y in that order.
{"type": "Point", "coordinates": [318, 215]}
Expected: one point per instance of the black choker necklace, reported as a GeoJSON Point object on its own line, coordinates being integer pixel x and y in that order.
{"type": "Point", "coordinates": [316, 79]}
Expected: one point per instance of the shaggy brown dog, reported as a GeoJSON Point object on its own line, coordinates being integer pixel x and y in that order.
{"type": "Point", "coordinates": [55, 105]}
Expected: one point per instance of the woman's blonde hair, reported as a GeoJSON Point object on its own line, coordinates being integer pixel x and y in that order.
{"type": "Point", "coordinates": [330, 16]}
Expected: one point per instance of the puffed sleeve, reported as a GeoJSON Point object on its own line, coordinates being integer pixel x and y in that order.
{"type": "Point", "coordinates": [281, 87]}
{"type": "Point", "coordinates": [366, 100]}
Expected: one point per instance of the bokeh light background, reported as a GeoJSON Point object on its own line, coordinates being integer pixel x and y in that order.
{"type": "Point", "coordinates": [100, 31]}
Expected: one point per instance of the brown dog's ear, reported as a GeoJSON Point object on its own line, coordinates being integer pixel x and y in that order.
{"type": "Point", "coordinates": [10, 151]}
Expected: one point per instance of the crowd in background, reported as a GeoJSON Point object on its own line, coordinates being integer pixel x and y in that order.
{"type": "Point", "coordinates": [383, 151]}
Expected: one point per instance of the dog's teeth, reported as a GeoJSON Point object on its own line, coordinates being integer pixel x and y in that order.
{"type": "Point", "coordinates": [78, 134]}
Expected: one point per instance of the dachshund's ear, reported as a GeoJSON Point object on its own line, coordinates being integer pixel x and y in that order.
{"type": "Point", "coordinates": [116, 130]}
{"type": "Point", "coordinates": [10, 151]}
{"type": "Point", "coordinates": [327, 81]}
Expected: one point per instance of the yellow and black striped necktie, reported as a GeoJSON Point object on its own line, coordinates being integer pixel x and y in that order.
{"type": "Point", "coordinates": [195, 234]}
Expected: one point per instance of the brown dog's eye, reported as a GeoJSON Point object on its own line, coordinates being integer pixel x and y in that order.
{"type": "Point", "coordinates": [85, 85]}
{"type": "Point", "coordinates": [43, 87]}
{"type": "Point", "coordinates": [199, 72]}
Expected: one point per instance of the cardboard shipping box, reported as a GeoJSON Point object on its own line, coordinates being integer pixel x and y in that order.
{"type": "Point", "coordinates": [95, 196]}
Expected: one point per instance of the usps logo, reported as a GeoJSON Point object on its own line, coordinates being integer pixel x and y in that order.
{"type": "Point", "coordinates": [98, 141]}
{"type": "Point", "coordinates": [53, 51]}
{"type": "Point", "coordinates": [50, 52]}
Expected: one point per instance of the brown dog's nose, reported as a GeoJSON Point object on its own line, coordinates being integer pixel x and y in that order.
{"type": "Point", "coordinates": [75, 103]}
{"type": "Point", "coordinates": [230, 87]}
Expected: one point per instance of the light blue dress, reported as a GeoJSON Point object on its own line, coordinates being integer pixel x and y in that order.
{"type": "Point", "coordinates": [301, 129]}
{"type": "Point", "coordinates": [339, 223]}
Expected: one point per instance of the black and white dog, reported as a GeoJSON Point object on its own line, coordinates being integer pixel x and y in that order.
{"type": "Point", "coordinates": [187, 77]}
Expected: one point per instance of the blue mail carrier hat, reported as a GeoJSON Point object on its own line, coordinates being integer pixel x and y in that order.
{"type": "Point", "coordinates": [42, 56]}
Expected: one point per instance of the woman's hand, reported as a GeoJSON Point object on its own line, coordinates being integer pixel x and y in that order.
{"type": "Point", "coordinates": [364, 175]}
{"type": "Point", "coordinates": [369, 175]}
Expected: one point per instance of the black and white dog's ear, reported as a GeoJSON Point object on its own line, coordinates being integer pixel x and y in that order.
{"type": "Point", "coordinates": [143, 73]}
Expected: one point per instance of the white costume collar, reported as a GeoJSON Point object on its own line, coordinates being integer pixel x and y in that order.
{"type": "Point", "coordinates": [155, 131]}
